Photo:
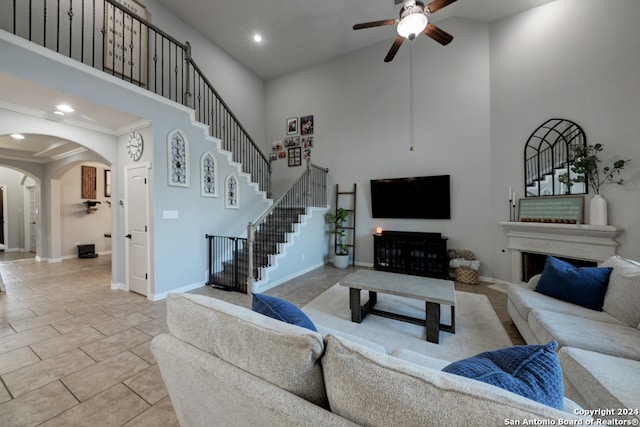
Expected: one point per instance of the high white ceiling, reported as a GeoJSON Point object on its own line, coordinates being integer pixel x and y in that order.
{"type": "Point", "coordinates": [20, 95]}
{"type": "Point", "coordinates": [300, 33]}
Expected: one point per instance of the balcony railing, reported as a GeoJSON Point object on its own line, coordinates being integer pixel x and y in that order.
{"type": "Point", "coordinates": [119, 40]}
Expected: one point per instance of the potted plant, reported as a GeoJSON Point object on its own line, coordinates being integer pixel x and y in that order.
{"type": "Point", "coordinates": [337, 222]}
{"type": "Point", "coordinates": [586, 165]}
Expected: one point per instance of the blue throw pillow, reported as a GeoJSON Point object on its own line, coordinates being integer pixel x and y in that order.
{"type": "Point", "coordinates": [583, 286]}
{"type": "Point", "coordinates": [532, 371]}
{"type": "Point", "coordinates": [282, 310]}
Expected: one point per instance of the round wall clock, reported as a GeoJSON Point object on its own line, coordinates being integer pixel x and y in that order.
{"type": "Point", "coordinates": [135, 145]}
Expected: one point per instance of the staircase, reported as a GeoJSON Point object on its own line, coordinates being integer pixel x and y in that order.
{"type": "Point", "coordinates": [109, 37]}
{"type": "Point", "coordinates": [132, 49]}
{"type": "Point", "coordinates": [273, 233]}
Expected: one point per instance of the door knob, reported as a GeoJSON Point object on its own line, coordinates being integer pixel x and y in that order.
{"type": "Point", "coordinates": [128, 236]}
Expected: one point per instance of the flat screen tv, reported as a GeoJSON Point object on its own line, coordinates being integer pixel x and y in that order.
{"type": "Point", "coordinates": [422, 197]}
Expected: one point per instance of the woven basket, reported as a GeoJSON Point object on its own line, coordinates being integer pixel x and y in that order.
{"type": "Point", "coordinates": [467, 276]}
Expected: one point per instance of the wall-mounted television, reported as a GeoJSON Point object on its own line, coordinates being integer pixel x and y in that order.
{"type": "Point", "coordinates": [422, 197]}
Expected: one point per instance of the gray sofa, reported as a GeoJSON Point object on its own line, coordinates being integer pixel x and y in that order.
{"type": "Point", "coordinates": [226, 365]}
{"type": "Point", "coordinates": [599, 350]}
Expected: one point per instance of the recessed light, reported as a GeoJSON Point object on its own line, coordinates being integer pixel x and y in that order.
{"type": "Point", "coordinates": [17, 136]}
{"type": "Point", "coordinates": [58, 113]}
{"type": "Point", "coordinates": [257, 38]}
{"type": "Point", "coordinates": [65, 108]}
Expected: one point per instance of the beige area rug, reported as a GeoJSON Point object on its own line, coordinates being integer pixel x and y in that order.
{"type": "Point", "coordinates": [478, 328]}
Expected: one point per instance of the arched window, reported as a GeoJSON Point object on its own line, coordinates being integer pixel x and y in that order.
{"type": "Point", "coordinates": [549, 153]}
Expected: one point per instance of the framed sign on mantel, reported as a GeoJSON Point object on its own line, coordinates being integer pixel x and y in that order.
{"type": "Point", "coordinates": [554, 209]}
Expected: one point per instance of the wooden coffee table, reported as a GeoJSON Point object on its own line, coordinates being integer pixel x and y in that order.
{"type": "Point", "coordinates": [433, 291]}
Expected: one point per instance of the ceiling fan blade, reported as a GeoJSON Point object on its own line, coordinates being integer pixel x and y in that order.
{"type": "Point", "coordinates": [437, 34]}
{"type": "Point", "coordinates": [374, 24]}
{"type": "Point", "coordinates": [436, 5]}
{"type": "Point", "coordinates": [394, 49]}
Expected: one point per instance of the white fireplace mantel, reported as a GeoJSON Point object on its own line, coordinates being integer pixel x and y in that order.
{"type": "Point", "coordinates": [575, 241]}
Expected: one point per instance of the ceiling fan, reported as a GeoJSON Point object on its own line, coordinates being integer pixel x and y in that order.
{"type": "Point", "coordinates": [413, 22]}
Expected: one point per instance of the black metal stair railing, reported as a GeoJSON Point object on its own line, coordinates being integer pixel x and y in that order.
{"type": "Point", "coordinates": [110, 37]}
{"type": "Point", "coordinates": [265, 235]}
{"type": "Point", "coordinates": [236, 263]}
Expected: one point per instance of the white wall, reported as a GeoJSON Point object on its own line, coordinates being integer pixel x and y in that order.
{"type": "Point", "coordinates": [361, 112]}
{"type": "Point", "coordinates": [569, 59]}
{"type": "Point", "coordinates": [77, 225]}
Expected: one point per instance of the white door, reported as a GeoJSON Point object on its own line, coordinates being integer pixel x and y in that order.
{"type": "Point", "coordinates": [137, 214]}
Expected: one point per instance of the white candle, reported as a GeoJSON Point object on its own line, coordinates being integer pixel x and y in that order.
{"type": "Point", "coordinates": [510, 194]}
{"type": "Point", "coordinates": [379, 230]}
{"type": "Point", "coordinates": [514, 198]}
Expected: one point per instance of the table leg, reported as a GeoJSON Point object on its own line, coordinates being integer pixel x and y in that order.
{"type": "Point", "coordinates": [432, 322]}
{"type": "Point", "coordinates": [354, 305]}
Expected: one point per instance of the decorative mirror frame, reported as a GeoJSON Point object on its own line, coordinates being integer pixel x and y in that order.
{"type": "Point", "coordinates": [208, 175]}
{"type": "Point", "coordinates": [549, 153]}
{"type": "Point", "coordinates": [177, 159]}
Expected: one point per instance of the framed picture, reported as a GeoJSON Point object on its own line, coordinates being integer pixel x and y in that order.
{"type": "Point", "coordinates": [295, 156]}
{"type": "Point", "coordinates": [307, 142]}
{"type": "Point", "coordinates": [306, 125]}
{"type": "Point", "coordinates": [292, 126]}
{"type": "Point", "coordinates": [292, 141]}
{"type": "Point", "coordinates": [107, 183]}
{"type": "Point", "coordinates": [273, 156]}
{"type": "Point", "coordinates": [125, 53]}
{"type": "Point", "coordinates": [276, 145]}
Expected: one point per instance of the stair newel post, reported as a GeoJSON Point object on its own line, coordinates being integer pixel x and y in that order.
{"type": "Point", "coordinates": [186, 100]}
{"type": "Point", "coordinates": [251, 280]}
{"type": "Point", "coordinates": [308, 189]}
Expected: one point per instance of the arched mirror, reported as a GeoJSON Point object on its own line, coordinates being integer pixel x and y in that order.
{"type": "Point", "coordinates": [548, 154]}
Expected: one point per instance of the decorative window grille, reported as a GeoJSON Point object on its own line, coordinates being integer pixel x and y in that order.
{"type": "Point", "coordinates": [208, 175]}
{"type": "Point", "coordinates": [232, 199]}
{"type": "Point", "coordinates": [177, 159]}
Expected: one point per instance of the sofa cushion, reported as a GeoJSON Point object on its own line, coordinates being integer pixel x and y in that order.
{"type": "Point", "coordinates": [601, 381]}
{"type": "Point", "coordinates": [532, 371]}
{"type": "Point", "coordinates": [623, 294]}
{"type": "Point", "coordinates": [524, 300]}
{"type": "Point", "coordinates": [282, 310]}
{"type": "Point", "coordinates": [616, 339]}
{"type": "Point", "coordinates": [584, 286]}
{"type": "Point", "coordinates": [283, 354]}
{"type": "Point", "coordinates": [376, 389]}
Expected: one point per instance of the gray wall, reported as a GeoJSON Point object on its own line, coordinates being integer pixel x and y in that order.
{"type": "Point", "coordinates": [568, 59]}
{"type": "Point", "coordinates": [477, 102]}
{"type": "Point", "coordinates": [238, 87]}
{"type": "Point", "coordinates": [361, 112]}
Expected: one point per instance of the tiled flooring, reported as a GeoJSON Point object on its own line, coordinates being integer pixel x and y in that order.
{"type": "Point", "coordinates": [74, 352]}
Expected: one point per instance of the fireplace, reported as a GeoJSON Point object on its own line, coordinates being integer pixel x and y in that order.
{"type": "Point", "coordinates": [533, 264]}
{"type": "Point", "coordinates": [573, 242]}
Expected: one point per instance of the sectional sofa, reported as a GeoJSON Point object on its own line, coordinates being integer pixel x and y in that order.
{"type": "Point", "coordinates": [599, 350]}
{"type": "Point", "coordinates": [227, 365]}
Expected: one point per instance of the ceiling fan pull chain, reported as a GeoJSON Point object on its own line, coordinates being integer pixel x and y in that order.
{"type": "Point", "coordinates": [411, 95]}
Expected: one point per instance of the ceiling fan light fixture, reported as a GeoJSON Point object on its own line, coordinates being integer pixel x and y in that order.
{"type": "Point", "coordinates": [412, 25]}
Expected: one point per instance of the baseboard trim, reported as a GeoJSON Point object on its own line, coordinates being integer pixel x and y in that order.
{"type": "Point", "coordinates": [270, 285]}
{"type": "Point", "coordinates": [163, 295]}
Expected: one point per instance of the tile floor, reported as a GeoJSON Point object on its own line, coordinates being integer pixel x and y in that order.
{"type": "Point", "coordinates": [74, 352]}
